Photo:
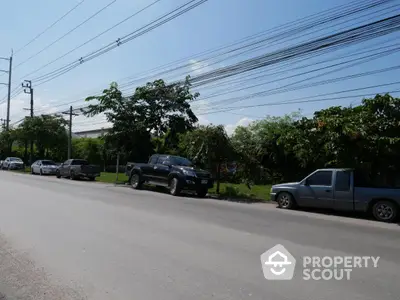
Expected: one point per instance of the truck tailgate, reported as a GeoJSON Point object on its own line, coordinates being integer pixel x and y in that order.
{"type": "Point", "coordinates": [90, 169]}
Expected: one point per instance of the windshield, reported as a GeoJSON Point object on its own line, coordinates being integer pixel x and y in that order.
{"type": "Point", "coordinates": [180, 161]}
{"type": "Point", "coordinates": [48, 163]}
{"type": "Point", "coordinates": [15, 159]}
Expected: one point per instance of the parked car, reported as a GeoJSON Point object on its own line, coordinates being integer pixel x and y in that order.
{"type": "Point", "coordinates": [12, 163]}
{"type": "Point", "coordinates": [44, 167]}
{"type": "Point", "coordinates": [174, 172]}
{"type": "Point", "coordinates": [78, 168]}
{"type": "Point", "coordinates": [342, 189]}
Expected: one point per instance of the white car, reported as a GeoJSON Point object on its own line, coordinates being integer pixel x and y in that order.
{"type": "Point", "coordinates": [12, 163]}
{"type": "Point", "coordinates": [44, 167]}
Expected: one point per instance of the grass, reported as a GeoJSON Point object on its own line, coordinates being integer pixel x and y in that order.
{"type": "Point", "coordinates": [227, 190]}
{"type": "Point", "coordinates": [241, 191]}
{"type": "Point", "coordinates": [110, 177]}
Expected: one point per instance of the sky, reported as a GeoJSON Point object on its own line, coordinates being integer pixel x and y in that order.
{"type": "Point", "coordinates": [214, 24]}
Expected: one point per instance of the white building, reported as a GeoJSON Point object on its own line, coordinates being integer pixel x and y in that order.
{"type": "Point", "coordinates": [94, 133]}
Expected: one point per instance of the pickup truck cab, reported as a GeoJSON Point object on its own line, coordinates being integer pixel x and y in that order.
{"type": "Point", "coordinates": [341, 189]}
{"type": "Point", "coordinates": [174, 172]}
{"type": "Point", "coordinates": [78, 168]}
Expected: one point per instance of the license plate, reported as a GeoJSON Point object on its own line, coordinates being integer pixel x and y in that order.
{"type": "Point", "coordinates": [204, 181]}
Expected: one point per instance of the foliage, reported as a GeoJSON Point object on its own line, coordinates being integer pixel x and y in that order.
{"type": "Point", "coordinates": [155, 110]}
{"type": "Point", "coordinates": [90, 149]}
{"type": "Point", "coordinates": [158, 118]}
{"type": "Point", "coordinates": [207, 146]}
{"type": "Point", "coordinates": [48, 133]}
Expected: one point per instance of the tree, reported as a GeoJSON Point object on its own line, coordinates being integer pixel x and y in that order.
{"type": "Point", "coordinates": [262, 150]}
{"type": "Point", "coordinates": [155, 110]}
{"type": "Point", "coordinates": [90, 149]}
{"type": "Point", "coordinates": [209, 146]}
{"type": "Point", "coordinates": [48, 133]}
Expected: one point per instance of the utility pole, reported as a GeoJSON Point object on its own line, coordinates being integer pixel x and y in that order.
{"type": "Point", "coordinates": [27, 85]}
{"type": "Point", "coordinates": [9, 87]}
{"type": "Point", "coordinates": [70, 113]}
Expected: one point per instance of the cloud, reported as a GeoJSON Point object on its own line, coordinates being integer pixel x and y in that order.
{"type": "Point", "coordinates": [202, 120]}
{"type": "Point", "coordinates": [199, 67]}
{"type": "Point", "coordinates": [230, 128]}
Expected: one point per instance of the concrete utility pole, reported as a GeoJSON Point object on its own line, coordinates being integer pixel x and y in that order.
{"type": "Point", "coordinates": [27, 85]}
{"type": "Point", "coordinates": [9, 87]}
{"type": "Point", "coordinates": [70, 113]}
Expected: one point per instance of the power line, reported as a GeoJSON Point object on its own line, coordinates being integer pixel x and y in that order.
{"type": "Point", "coordinates": [66, 34]}
{"type": "Point", "coordinates": [93, 38]}
{"type": "Point", "coordinates": [297, 102]}
{"type": "Point", "coordinates": [281, 36]}
{"type": "Point", "coordinates": [313, 84]}
{"type": "Point", "coordinates": [344, 38]}
{"type": "Point", "coordinates": [154, 24]}
{"type": "Point", "coordinates": [51, 26]}
{"type": "Point", "coordinates": [352, 5]}
{"type": "Point", "coordinates": [356, 61]}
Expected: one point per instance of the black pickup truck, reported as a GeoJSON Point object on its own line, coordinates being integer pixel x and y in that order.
{"type": "Point", "coordinates": [174, 172]}
{"type": "Point", "coordinates": [78, 168]}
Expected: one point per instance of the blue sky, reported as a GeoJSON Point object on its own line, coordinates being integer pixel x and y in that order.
{"type": "Point", "coordinates": [213, 24]}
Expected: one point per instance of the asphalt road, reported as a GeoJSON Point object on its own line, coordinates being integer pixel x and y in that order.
{"type": "Point", "coordinates": [62, 239]}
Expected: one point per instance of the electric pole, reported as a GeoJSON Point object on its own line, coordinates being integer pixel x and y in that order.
{"type": "Point", "coordinates": [27, 85]}
{"type": "Point", "coordinates": [70, 113]}
{"type": "Point", "coordinates": [9, 87]}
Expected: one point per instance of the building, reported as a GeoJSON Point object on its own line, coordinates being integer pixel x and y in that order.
{"type": "Point", "coordinates": [94, 133]}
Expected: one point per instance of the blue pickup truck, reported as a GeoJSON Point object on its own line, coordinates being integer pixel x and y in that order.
{"type": "Point", "coordinates": [342, 189]}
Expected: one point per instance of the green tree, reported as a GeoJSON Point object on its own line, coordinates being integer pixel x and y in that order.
{"type": "Point", "coordinates": [155, 110]}
{"type": "Point", "coordinates": [209, 146]}
{"type": "Point", "coordinates": [48, 133]}
{"type": "Point", "coordinates": [262, 150]}
{"type": "Point", "coordinates": [90, 149]}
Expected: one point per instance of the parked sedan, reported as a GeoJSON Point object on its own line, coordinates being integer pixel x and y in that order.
{"type": "Point", "coordinates": [12, 163]}
{"type": "Point", "coordinates": [44, 167]}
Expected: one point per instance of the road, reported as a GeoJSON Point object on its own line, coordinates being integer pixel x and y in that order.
{"type": "Point", "coordinates": [62, 239]}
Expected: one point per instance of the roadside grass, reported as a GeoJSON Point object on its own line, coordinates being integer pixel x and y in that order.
{"type": "Point", "coordinates": [111, 177]}
{"type": "Point", "coordinates": [240, 192]}
{"type": "Point", "coordinates": [259, 193]}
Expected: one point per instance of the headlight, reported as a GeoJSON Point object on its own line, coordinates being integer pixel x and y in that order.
{"type": "Point", "coordinates": [189, 173]}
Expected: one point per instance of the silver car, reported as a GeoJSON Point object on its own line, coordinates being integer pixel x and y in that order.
{"type": "Point", "coordinates": [12, 163]}
{"type": "Point", "coordinates": [44, 167]}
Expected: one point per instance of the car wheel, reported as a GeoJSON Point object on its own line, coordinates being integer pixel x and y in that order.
{"type": "Point", "coordinates": [285, 200]}
{"type": "Point", "coordinates": [385, 211]}
{"type": "Point", "coordinates": [202, 193]}
{"type": "Point", "coordinates": [135, 181]}
{"type": "Point", "coordinates": [72, 175]}
{"type": "Point", "coordinates": [174, 187]}
{"type": "Point", "coordinates": [58, 175]}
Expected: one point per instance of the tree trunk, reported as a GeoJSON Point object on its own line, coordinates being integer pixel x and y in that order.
{"type": "Point", "coordinates": [218, 175]}
{"type": "Point", "coordinates": [26, 151]}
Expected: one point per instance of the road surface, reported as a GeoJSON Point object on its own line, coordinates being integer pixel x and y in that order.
{"type": "Point", "coordinates": [62, 239]}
